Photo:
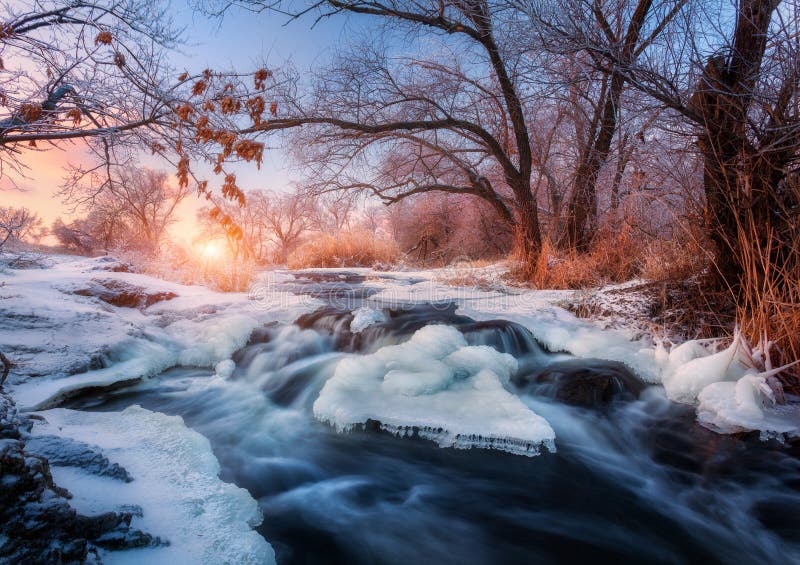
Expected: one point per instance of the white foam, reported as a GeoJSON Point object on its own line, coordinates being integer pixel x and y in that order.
{"type": "Point", "coordinates": [439, 387]}
{"type": "Point", "coordinates": [175, 483]}
{"type": "Point", "coordinates": [224, 369]}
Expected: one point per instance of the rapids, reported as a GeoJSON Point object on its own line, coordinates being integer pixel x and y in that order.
{"type": "Point", "coordinates": [634, 478]}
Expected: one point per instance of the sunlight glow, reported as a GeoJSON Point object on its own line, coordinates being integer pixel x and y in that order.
{"type": "Point", "coordinates": [212, 250]}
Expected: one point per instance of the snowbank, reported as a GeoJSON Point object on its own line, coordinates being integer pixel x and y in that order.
{"type": "Point", "coordinates": [176, 484]}
{"type": "Point", "coordinates": [438, 386]}
{"type": "Point", "coordinates": [730, 393]}
{"type": "Point", "coordinates": [690, 367]}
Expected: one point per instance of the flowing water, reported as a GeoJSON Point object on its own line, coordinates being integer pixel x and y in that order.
{"type": "Point", "coordinates": [634, 479]}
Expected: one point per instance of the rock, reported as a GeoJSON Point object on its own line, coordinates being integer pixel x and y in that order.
{"type": "Point", "coordinates": [68, 452]}
{"type": "Point", "coordinates": [400, 324]}
{"type": "Point", "coordinates": [37, 524]}
{"type": "Point", "coordinates": [122, 294]}
{"type": "Point", "coordinates": [590, 383]}
{"type": "Point", "coordinates": [112, 264]}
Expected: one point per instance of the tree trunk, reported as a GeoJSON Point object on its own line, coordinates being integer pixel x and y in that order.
{"type": "Point", "coordinates": [527, 235]}
{"type": "Point", "coordinates": [740, 180]}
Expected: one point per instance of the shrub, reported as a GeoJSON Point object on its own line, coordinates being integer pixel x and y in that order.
{"type": "Point", "coordinates": [348, 249]}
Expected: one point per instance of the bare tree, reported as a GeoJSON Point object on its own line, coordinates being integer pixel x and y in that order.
{"type": "Point", "coordinates": [331, 213]}
{"type": "Point", "coordinates": [396, 126]}
{"type": "Point", "coordinates": [587, 31]}
{"type": "Point", "coordinates": [16, 224]}
{"type": "Point", "coordinates": [743, 110]}
{"type": "Point", "coordinates": [97, 71]}
{"type": "Point", "coordinates": [136, 205]}
{"type": "Point", "coordinates": [288, 218]}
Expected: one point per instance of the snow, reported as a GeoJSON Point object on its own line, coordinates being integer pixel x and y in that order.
{"type": "Point", "coordinates": [62, 342]}
{"type": "Point", "coordinates": [176, 484]}
{"type": "Point", "coordinates": [365, 317]}
{"type": "Point", "coordinates": [437, 385]}
{"type": "Point", "coordinates": [137, 359]}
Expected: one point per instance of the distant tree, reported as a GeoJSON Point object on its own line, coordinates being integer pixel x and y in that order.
{"type": "Point", "coordinates": [74, 236]}
{"type": "Point", "coordinates": [133, 208]}
{"type": "Point", "coordinates": [17, 223]}
{"type": "Point", "coordinates": [437, 229]}
{"type": "Point", "coordinates": [331, 213]}
{"type": "Point", "coordinates": [289, 217]}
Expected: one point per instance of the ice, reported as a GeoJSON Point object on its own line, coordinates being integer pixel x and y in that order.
{"type": "Point", "coordinates": [365, 317]}
{"type": "Point", "coordinates": [471, 360]}
{"type": "Point", "coordinates": [439, 387]}
{"type": "Point", "coordinates": [691, 368]}
{"type": "Point", "coordinates": [176, 484]}
{"type": "Point", "coordinates": [134, 359]}
{"type": "Point", "coordinates": [747, 404]}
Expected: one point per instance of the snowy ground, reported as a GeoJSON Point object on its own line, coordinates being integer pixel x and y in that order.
{"type": "Point", "coordinates": [63, 340]}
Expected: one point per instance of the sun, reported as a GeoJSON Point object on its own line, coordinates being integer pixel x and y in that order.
{"type": "Point", "coordinates": [212, 250]}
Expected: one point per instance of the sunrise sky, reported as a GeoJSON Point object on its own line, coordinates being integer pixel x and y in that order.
{"type": "Point", "coordinates": [242, 40]}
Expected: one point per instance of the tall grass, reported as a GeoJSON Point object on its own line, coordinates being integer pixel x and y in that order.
{"type": "Point", "coordinates": [768, 300]}
{"type": "Point", "coordinates": [615, 256]}
{"type": "Point", "coordinates": [180, 265]}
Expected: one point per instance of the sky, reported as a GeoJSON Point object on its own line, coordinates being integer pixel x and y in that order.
{"type": "Point", "coordinates": [240, 40]}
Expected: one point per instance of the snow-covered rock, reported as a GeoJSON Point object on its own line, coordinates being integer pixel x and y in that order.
{"type": "Point", "coordinates": [175, 483]}
{"type": "Point", "coordinates": [365, 317]}
{"type": "Point", "coordinates": [439, 387]}
{"type": "Point", "coordinates": [37, 522]}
